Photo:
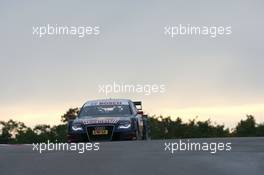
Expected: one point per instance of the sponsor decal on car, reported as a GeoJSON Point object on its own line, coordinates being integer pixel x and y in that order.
{"type": "Point", "coordinates": [105, 121]}
{"type": "Point", "coordinates": [106, 102]}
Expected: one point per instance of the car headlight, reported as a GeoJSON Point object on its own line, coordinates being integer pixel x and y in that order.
{"type": "Point", "coordinates": [124, 125]}
{"type": "Point", "coordinates": [77, 127]}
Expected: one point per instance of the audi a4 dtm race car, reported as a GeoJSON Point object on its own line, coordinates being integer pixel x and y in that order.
{"type": "Point", "coordinates": [107, 120]}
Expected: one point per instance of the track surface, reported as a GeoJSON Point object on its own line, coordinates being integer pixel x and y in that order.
{"type": "Point", "coordinates": [138, 157]}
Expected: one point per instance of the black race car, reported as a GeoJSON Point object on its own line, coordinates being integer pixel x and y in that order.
{"type": "Point", "coordinates": [107, 120]}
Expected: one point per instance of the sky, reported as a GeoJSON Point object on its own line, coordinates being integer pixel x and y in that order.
{"type": "Point", "coordinates": [218, 78]}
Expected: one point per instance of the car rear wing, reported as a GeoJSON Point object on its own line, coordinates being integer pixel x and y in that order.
{"type": "Point", "coordinates": [138, 105]}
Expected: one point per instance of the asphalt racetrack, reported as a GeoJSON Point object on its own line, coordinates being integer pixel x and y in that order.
{"type": "Point", "coordinates": [136, 157]}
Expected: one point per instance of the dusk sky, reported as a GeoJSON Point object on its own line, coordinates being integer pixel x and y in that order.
{"type": "Point", "coordinates": [218, 78]}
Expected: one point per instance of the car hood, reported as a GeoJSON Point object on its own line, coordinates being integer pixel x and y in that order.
{"type": "Point", "coordinates": [101, 120]}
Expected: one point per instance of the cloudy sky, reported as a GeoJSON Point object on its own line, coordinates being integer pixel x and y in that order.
{"type": "Point", "coordinates": [219, 78]}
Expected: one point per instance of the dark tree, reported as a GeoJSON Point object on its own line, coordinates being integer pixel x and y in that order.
{"type": "Point", "coordinates": [70, 114]}
{"type": "Point", "coordinates": [260, 130]}
{"type": "Point", "coordinates": [246, 128]}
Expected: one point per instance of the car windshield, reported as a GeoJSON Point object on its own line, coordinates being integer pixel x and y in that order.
{"type": "Point", "coordinates": [104, 110]}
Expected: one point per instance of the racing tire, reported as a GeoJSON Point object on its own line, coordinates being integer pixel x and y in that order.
{"type": "Point", "coordinates": [146, 131]}
{"type": "Point", "coordinates": [138, 135]}
{"type": "Point", "coordinates": [146, 134]}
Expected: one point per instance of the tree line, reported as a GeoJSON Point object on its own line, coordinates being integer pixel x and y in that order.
{"type": "Point", "coordinates": [15, 132]}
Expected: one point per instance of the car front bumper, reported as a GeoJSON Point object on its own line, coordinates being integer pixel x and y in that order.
{"type": "Point", "coordinates": [114, 135]}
